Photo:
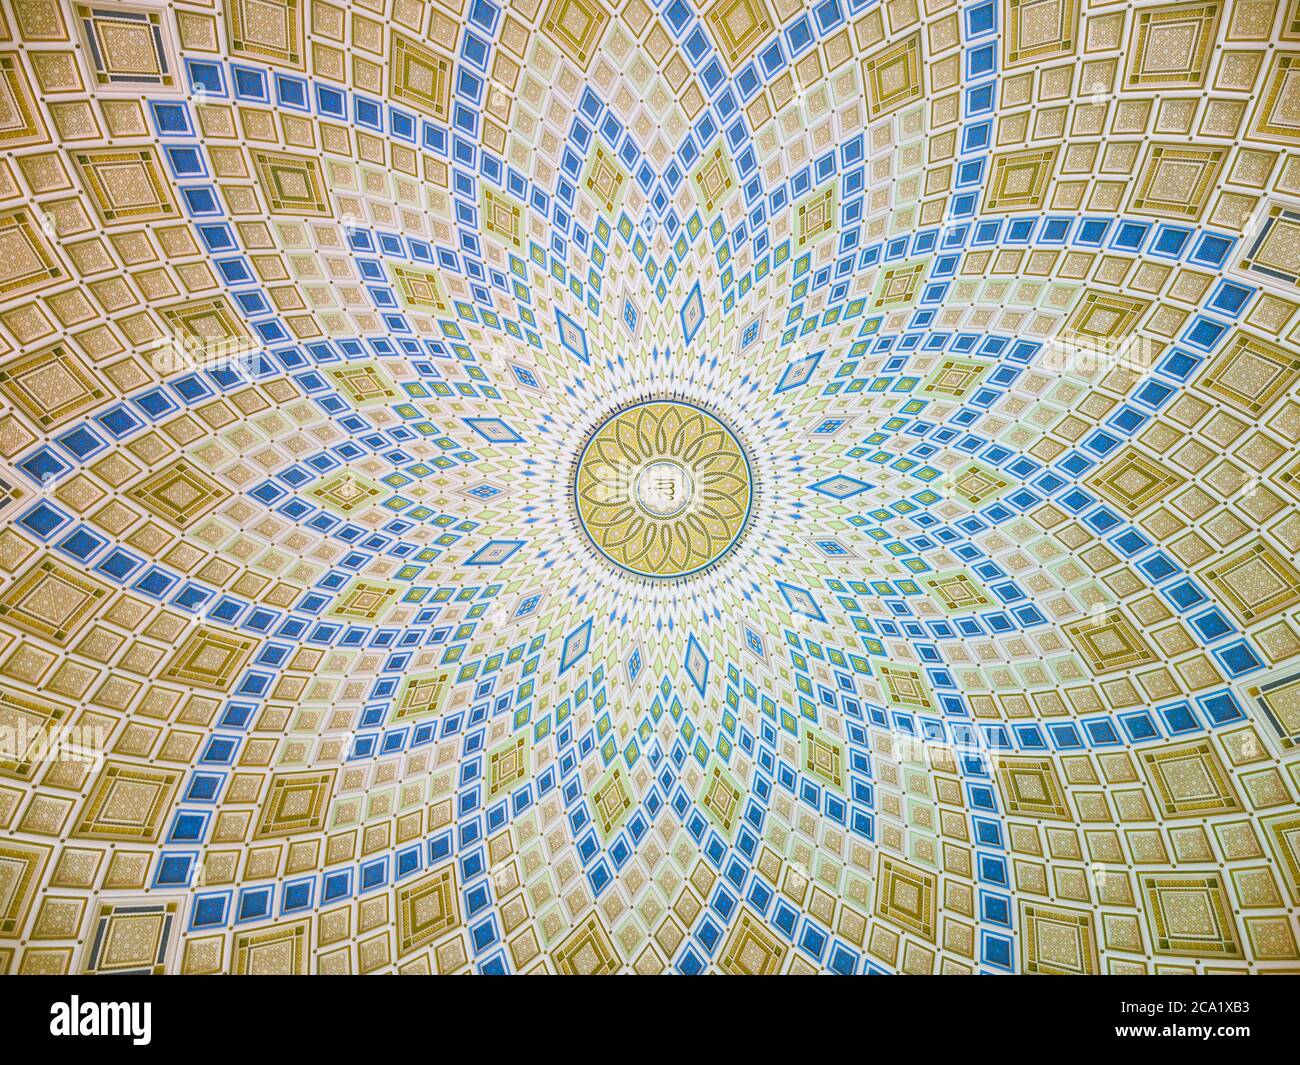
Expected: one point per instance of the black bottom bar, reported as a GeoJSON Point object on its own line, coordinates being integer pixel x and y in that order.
{"type": "Point", "coordinates": [302, 1014]}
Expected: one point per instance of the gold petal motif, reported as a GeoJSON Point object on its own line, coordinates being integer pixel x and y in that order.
{"type": "Point", "coordinates": [690, 455]}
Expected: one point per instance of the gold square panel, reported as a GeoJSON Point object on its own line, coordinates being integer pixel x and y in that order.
{"type": "Point", "coordinates": [1283, 834]}
{"type": "Point", "coordinates": [421, 695]}
{"type": "Point", "coordinates": [977, 484]}
{"type": "Point", "coordinates": [347, 492]}
{"type": "Point", "coordinates": [738, 27]}
{"type": "Point", "coordinates": [1101, 317]}
{"type": "Point", "coordinates": [427, 909]}
{"type": "Point", "coordinates": [269, 31]}
{"type": "Point", "coordinates": [1254, 582]}
{"type": "Point", "coordinates": [1037, 30]}
{"type": "Point", "coordinates": [126, 186]}
{"type": "Point", "coordinates": [180, 493]}
{"type": "Point", "coordinates": [1019, 180]}
{"type": "Point", "coordinates": [1176, 181]}
{"type": "Point", "coordinates": [27, 261]}
{"type": "Point", "coordinates": [1171, 46]}
{"type": "Point", "coordinates": [29, 725]}
{"type": "Point", "coordinates": [209, 329]}
{"type": "Point", "coordinates": [1277, 113]}
{"type": "Point", "coordinates": [824, 757]}
{"type": "Point", "coordinates": [277, 950]}
{"type": "Point", "coordinates": [208, 658]}
{"type": "Point", "coordinates": [587, 951]}
{"type": "Point", "coordinates": [899, 286]}
{"type": "Point", "coordinates": [1190, 915]}
{"type": "Point", "coordinates": [503, 218]}
{"type": "Point", "coordinates": [51, 387]}
{"type": "Point", "coordinates": [420, 77]}
{"type": "Point", "coordinates": [605, 179]}
{"type": "Point", "coordinates": [1110, 642]}
{"type": "Point", "coordinates": [720, 798]}
{"type": "Point", "coordinates": [892, 78]}
{"type": "Point", "coordinates": [128, 802]}
{"type": "Point", "coordinates": [127, 46]}
{"type": "Point", "coordinates": [22, 869]}
{"type": "Point", "coordinates": [817, 216]}
{"type": "Point", "coordinates": [906, 687]}
{"type": "Point", "coordinates": [420, 290]}
{"type": "Point", "coordinates": [612, 802]}
{"type": "Point", "coordinates": [907, 896]}
{"type": "Point", "coordinates": [364, 600]}
{"type": "Point", "coordinates": [1250, 373]}
{"type": "Point", "coordinates": [1275, 252]}
{"type": "Point", "coordinates": [1133, 481]}
{"type": "Point", "coordinates": [365, 384]}
{"type": "Point", "coordinates": [577, 27]}
{"type": "Point", "coordinates": [1057, 940]}
{"type": "Point", "coordinates": [296, 803]}
{"type": "Point", "coordinates": [132, 938]}
{"type": "Point", "coordinates": [714, 178]}
{"type": "Point", "coordinates": [20, 117]}
{"type": "Point", "coordinates": [957, 592]}
{"type": "Point", "coordinates": [1031, 788]}
{"type": "Point", "coordinates": [507, 765]}
{"type": "Point", "coordinates": [957, 378]}
{"type": "Point", "coordinates": [752, 949]}
{"type": "Point", "coordinates": [1189, 780]}
{"type": "Point", "coordinates": [52, 600]}
{"type": "Point", "coordinates": [1279, 700]}
{"type": "Point", "coordinates": [292, 184]}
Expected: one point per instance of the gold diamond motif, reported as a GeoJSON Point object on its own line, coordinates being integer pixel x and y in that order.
{"type": "Point", "coordinates": [208, 658]}
{"type": "Point", "coordinates": [27, 261]}
{"type": "Point", "coordinates": [52, 599]}
{"type": "Point", "coordinates": [892, 77]}
{"type": "Point", "coordinates": [1176, 181]}
{"type": "Point", "coordinates": [577, 27]}
{"type": "Point", "coordinates": [1132, 481]}
{"type": "Point", "coordinates": [270, 31]}
{"type": "Point", "coordinates": [292, 184]}
{"type": "Point", "coordinates": [1250, 374]}
{"type": "Point", "coordinates": [180, 493]}
{"type": "Point", "coordinates": [427, 909]}
{"type": "Point", "coordinates": [1038, 30]}
{"type": "Point", "coordinates": [1019, 180]}
{"type": "Point", "coordinates": [1189, 915]}
{"type": "Point", "coordinates": [295, 804]}
{"type": "Point", "coordinates": [1058, 941]}
{"type": "Point", "coordinates": [908, 897]}
{"type": "Point", "coordinates": [1110, 642]}
{"type": "Point", "coordinates": [752, 949]}
{"type": "Point", "coordinates": [1255, 582]}
{"type": "Point", "coordinates": [421, 77]}
{"type": "Point", "coordinates": [51, 387]}
{"type": "Point", "coordinates": [128, 802]}
{"type": "Point", "coordinates": [739, 27]}
{"type": "Point", "coordinates": [1171, 46]}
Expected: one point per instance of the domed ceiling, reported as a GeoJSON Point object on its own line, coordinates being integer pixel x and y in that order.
{"type": "Point", "coordinates": [579, 486]}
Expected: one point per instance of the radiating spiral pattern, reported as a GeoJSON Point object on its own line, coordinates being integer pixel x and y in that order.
{"type": "Point", "coordinates": [649, 486]}
{"type": "Point", "coordinates": [678, 450]}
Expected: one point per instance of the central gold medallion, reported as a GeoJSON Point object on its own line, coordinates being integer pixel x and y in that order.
{"type": "Point", "coordinates": [663, 488]}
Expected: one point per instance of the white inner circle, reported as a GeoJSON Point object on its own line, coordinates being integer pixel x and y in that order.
{"type": "Point", "coordinates": [663, 489]}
